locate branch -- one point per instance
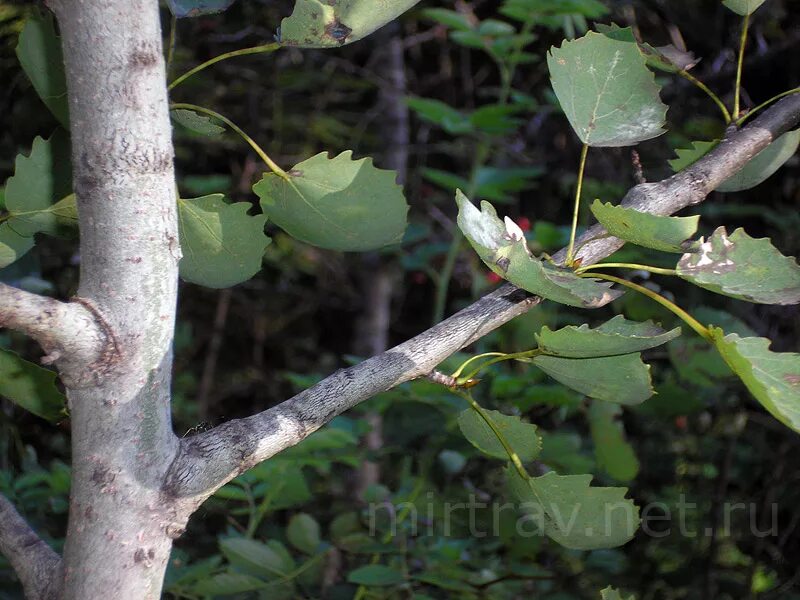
(35, 563)
(208, 460)
(69, 332)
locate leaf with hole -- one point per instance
(622, 379)
(667, 234)
(574, 514)
(606, 91)
(31, 387)
(336, 203)
(520, 436)
(772, 377)
(39, 53)
(197, 8)
(742, 267)
(303, 533)
(324, 24)
(376, 576)
(195, 122)
(507, 254)
(743, 7)
(617, 336)
(222, 245)
(612, 451)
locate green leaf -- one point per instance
(196, 8)
(614, 454)
(519, 435)
(12, 245)
(256, 558)
(450, 18)
(742, 267)
(228, 584)
(39, 53)
(39, 180)
(573, 513)
(665, 58)
(31, 387)
(606, 91)
(194, 121)
(623, 379)
(376, 575)
(336, 203)
(222, 245)
(437, 112)
(688, 156)
(763, 164)
(743, 7)
(323, 24)
(667, 234)
(303, 533)
(611, 593)
(617, 336)
(772, 377)
(506, 253)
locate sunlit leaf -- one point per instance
(614, 454)
(376, 575)
(743, 7)
(30, 386)
(194, 121)
(622, 379)
(612, 594)
(39, 53)
(508, 256)
(772, 377)
(323, 24)
(221, 244)
(573, 513)
(196, 8)
(12, 245)
(617, 336)
(666, 234)
(742, 267)
(38, 195)
(520, 436)
(303, 533)
(336, 203)
(606, 91)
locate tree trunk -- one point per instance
(122, 441)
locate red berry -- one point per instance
(524, 223)
(493, 277)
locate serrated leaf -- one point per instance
(376, 576)
(757, 170)
(743, 7)
(772, 377)
(510, 258)
(31, 387)
(256, 558)
(613, 453)
(336, 203)
(228, 584)
(194, 121)
(742, 267)
(12, 245)
(39, 180)
(617, 336)
(323, 24)
(622, 379)
(573, 513)
(222, 245)
(520, 436)
(666, 234)
(303, 533)
(196, 8)
(763, 164)
(606, 91)
(611, 593)
(39, 53)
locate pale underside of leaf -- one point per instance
(743, 7)
(323, 24)
(667, 234)
(742, 267)
(772, 377)
(614, 337)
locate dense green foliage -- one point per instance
(554, 410)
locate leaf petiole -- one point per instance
(699, 84)
(740, 63)
(243, 52)
(764, 104)
(636, 267)
(576, 210)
